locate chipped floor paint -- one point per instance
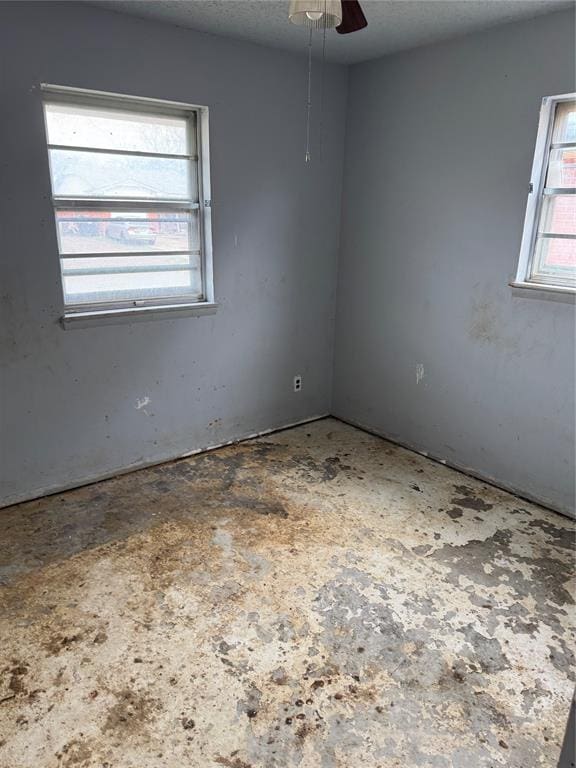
(317, 598)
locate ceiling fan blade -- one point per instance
(353, 18)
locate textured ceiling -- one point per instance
(393, 25)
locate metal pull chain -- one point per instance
(322, 91)
(309, 101)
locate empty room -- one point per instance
(287, 384)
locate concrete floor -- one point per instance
(318, 598)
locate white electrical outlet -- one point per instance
(297, 383)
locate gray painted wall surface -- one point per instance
(439, 148)
(69, 397)
(439, 151)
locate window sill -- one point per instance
(549, 292)
(136, 314)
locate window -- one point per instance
(131, 189)
(548, 251)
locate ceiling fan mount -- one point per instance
(346, 16)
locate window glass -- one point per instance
(81, 126)
(125, 231)
(125, 184)
(548, 255)
(85, 174)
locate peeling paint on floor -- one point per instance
(316, 598)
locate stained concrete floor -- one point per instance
(317, 598)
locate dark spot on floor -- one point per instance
(260, 506)
(232, 762)
(131, 712)
(161, 486)
(59, 643)
(16, 683)
(469, 500)
(421, 549)
(74, 753)
(304, 730)
(564, 538)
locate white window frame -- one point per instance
(525, 277)
(111, 311)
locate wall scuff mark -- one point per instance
(141, 404)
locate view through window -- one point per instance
(126, 185)
(549, 243)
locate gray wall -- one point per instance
(439, 151)
(69, 397)
(439, 148)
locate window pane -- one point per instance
(556, 256)
(127, 264)
(565, 122)
(562, 168)
(558, 215)
(80, 126)
(138, 240)
(86, 174)
(130, 286)
(113, 232)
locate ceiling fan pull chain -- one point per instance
(322, 90)
(309, 101)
